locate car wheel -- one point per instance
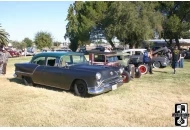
(143, 69)
(28, 81)
(126, 77)
(156, 64)
(137, 73)
(80, 88)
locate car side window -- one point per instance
(52, 61)
(119, 57)
(39, 61)
(137, 53)
(99, 58)
(64, 60)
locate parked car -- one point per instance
(99, 48)
(83, 50)
(61, 50)
(160, 59)
(30, 51)
(13, 53)
(108, 59)
(123, 59)
(69, 71)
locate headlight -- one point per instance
(121, 70)
(98, 76)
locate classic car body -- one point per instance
(13, 53)
(159, 59)
(111, 59)
(69, 71)
(123, 59)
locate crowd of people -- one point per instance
(175, 55)
(4, 55)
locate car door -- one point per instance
(37, 76)
(57, 75)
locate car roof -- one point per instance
(129, 50)
(56, 54)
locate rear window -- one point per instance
(112, 59)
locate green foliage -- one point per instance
(3, 36)
(28, 42)
(19, 45)
(56, 43)
(177, 19)
(130, 21)
(43, 39)
(82, 17)
(186, 35)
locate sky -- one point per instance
(24, 19)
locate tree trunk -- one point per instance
(177, 42)
(111, 43)
(132, 45)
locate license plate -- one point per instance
(114, 87)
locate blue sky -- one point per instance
(24, 19)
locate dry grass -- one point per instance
(148, 101)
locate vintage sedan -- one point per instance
(69, 71)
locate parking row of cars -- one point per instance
(102, 72)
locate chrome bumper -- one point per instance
(105, 87)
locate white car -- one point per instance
(159, 60)
(134, 51)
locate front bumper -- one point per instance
(105, 87)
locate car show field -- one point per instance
(145, 101)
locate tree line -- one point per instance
(41, 40)
(131, 22)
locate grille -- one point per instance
(111, 81)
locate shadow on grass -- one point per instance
(19, 81)
(160, 71)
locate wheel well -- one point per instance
(72, 84)
(158, 62)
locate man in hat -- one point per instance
(6, 55)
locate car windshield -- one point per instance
(73, 59)
(112, 59)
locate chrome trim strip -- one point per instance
(23, 72)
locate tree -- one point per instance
(19, 45)
(176, 20)
(82, 18)
(43, 39)
(28, 42)
(4, 37)
(71, 29)
(132, 22)
(56, 43)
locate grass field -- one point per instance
(148, 101)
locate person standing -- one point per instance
(175, 58)
(147, 59)
(1, 60)
(6, 56)
(181, 62)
